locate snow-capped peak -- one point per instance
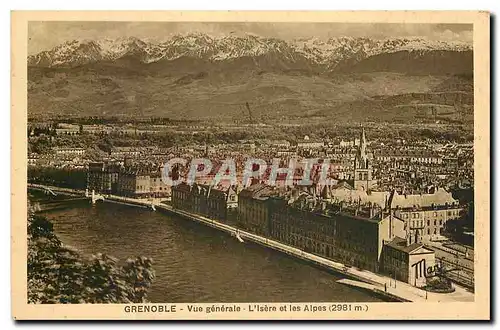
(234, 45)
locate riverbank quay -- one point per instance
(381, 285)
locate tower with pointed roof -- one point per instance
(363, 171)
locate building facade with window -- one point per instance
(158, 188)
(253, 208)
(134, 182)
(69, 151)
(425, 215)
(183, 199)
(411, 263)
(102, 177)
(353, 235)
(216, 202)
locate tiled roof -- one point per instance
(405, 153)
(346, 194)
(182, 186)
(440, 197)
(400, 244)
(257, 191)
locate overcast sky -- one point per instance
(46, 35)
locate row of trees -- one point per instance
(58, 274)
(43, 144)
(62, 177)
(97, 120)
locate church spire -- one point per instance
(362, 170)
(363, 159)
(363, 144)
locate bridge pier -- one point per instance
(49, 191)
(96, 197)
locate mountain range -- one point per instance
(329, 54)
(200, 76)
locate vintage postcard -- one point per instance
(250, 165)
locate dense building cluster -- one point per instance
(351, 222)
(384, 199)
(409, 165)
(127, 180)
(217, 202)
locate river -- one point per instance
(194, 263)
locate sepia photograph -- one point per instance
(248, 166)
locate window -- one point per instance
(435, 231)
(428, 222)
(440, 222)
(428, 231)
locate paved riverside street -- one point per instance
(399, 289)
(396, 288)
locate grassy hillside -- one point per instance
(437, 62)
(128, 90)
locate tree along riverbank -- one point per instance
(59, 274)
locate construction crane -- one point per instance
(249, 112)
